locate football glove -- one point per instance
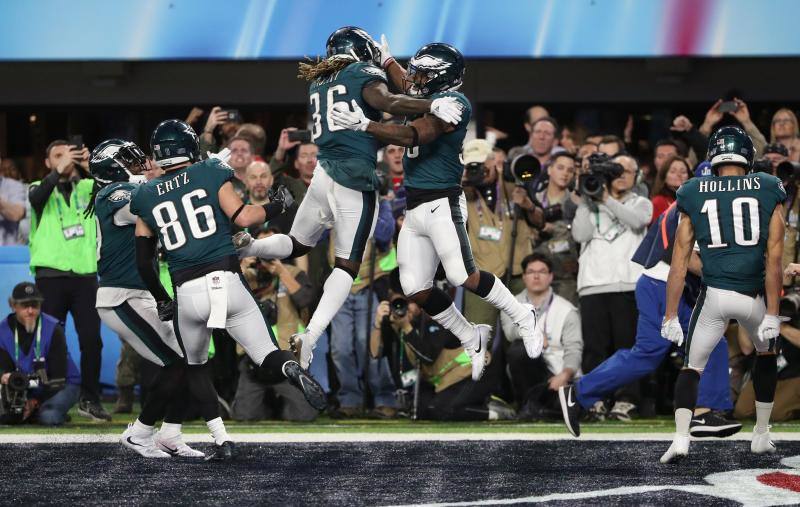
(671, 330)
(282, 196)
(350, 120)
(224, 155)
(384, 57)
(769, 329)
(447, 109)
(165, 309)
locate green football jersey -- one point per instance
(182, 207)
(730, 216)
(116, 250)
(437, 165)
(348, 156)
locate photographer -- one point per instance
(609, 224)
(38, 378)
(404, 335)
(543, 136)
(293, 162)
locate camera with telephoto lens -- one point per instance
(602, 171)
(14, 394)
(789, 305)
(788, 172)
(399, 307)
(525, 171)
(474, 173)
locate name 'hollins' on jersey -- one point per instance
(737, 185)
(169, 185)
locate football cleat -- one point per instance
(477, 351)
(678, 450)
(532, 335)
(570, 409)
(711, 424)
(302, 349)
(222, 452)
(241, 240)
(144, 446)
(622, 411)
(298, 377)
(175, 447)
(762, 443)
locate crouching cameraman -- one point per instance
(420, 350)
(38, 378)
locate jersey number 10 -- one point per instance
(170, 228)
(737, 210)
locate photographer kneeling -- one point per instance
(38, 378)
(403, 334)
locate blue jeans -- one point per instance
(349, 353)
(319, 365)
(54, 410)
(628, 365)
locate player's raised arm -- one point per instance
(396, 73)
(246, 215)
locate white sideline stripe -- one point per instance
(77, 438)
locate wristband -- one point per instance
(388, 62)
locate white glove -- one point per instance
(350, 120)
(224, 155)
(769, 329)
(385, 56)
(671, 330)
(448, 109)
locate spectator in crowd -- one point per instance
(220, 127)
(609, 229)
(683, 130)
(489, 225)
(784, 130)
(567, 140)
(555, 235)
(258, 180)
(740, 114)
(241, 157)
(536, 381)
(776, 153)
(293, 164)
(63, 259)
(393, 158)
(662, 151)
(542, 139)
(12, 208)
(32, 341)
(611, 145)
(405, 337)
(584, 151)
(671, 175)
(256, 135)
(284, 293)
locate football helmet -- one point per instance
(436, 67)
(174, 142)
(731, 145)
(116, 160)
(352, 42)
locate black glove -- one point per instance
(282, 196)
(166, 309)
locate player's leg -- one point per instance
(707, 324)
(248, 326)
(765, 376)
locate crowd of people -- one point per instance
(559, 245)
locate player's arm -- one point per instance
(420, 131)
(123, 216)
(773, 276)
(146, 261)
(246, 215)
(377, 95)
(681, 253)
(397, 75)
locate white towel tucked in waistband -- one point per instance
(217, 287)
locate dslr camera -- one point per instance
(14, 394)
(602, 171)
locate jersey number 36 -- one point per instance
(170, 224)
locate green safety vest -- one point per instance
(48, 246)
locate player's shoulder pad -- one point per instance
(218, 171)
(686, 192)
(774, 184)
(367, 70)
(119, 192)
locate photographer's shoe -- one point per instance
(570, 409)
(477, 351)
(313, 392)
(93, 410)
(302, 348)
(713, 424)
(222, 452)
(175, 446)
(141, 444)
(532, 336)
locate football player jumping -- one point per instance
(736, 217)
(434, 227)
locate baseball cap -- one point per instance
(25, 292)
(476, 151)
(776, 148)
(703, 169)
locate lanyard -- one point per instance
(545, 308)
(73, 201)
(37, 345)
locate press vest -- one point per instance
(24, 362)
(554, 326)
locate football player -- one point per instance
(189, 209)
(344, 189)
(434, 228)
(125, 305)
(736, 218)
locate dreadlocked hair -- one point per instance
(322, 67)
(96, 188)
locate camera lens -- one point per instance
(399, 307)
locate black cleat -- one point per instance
(222, 452)
(713, 424)
(93, 410)
(571, 409)
(315, 395)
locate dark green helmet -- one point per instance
(174, 142)
(353, 42)
(115, 160)
(731, 145)
(436, 67)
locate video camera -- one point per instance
(602, 171)
(14, 394)
(789, 305)
(789, 173)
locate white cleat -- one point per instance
(477, 352)
(762, 443)
(677, 451)
(303, 349)
(532, 335)
(145, 446)
(176, 447)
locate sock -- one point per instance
(277, 246)
(683, 417)
(217, 429)
(334, 293)
(170, 430)
(686, 389)
(763, 412)
(500, 297)
(271, 369)
(452, 320)
(141, 430)
(765, 377)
